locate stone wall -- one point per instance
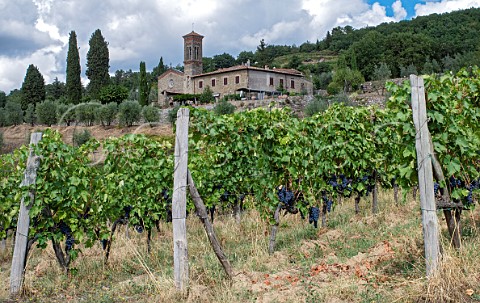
(220, 87)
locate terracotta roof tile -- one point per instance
(193, 34)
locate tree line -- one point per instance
(427, 44)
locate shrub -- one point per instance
(30, 116)
(85, 112)
(172, 114)
(150, 114)
(334, 88)
(233, 97)
(321, 81)
(206, 96)
(81, 138)
(13, 113)
(129, 112)
(65, 113)
(342, 98)
(317, 105)
(113, 93)
(107, 113)
(224, 108)
(46, 112)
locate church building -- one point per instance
(248, 81)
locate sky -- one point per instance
(37, 31)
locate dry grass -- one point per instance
(16, 136)
(364, 258)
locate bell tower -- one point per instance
(192, 54)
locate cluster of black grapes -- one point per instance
(436, 187)
(126, 214)
(369, 182)
(456, 183)
(313, 215)
(473, 186)
(167, 199)
(288, 199)
(225, 198)
(286, 196)
(70, 241)
(341, 184)
(126, 217)
(327, 202)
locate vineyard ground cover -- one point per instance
(357, 258)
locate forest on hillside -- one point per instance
(428, 44)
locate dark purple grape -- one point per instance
(313, 215)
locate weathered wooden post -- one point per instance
(425, 176)
(212, 237)
(375, 193)
(23, 223)
(179, 201)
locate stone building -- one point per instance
(248, 81)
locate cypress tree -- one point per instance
(97, 64)
(3, 99)
(143, 86)
(158, 70)
(55, 90)
(33, 87)
(74, 83)
(328, 39)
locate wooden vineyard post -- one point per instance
(273, 235)
(3, 245)
(425, 176)
(23, 223)
(212, 237)
(179, 201)
(375, 193)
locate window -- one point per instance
(213, 82)
(225, 81)
(200, 84)
(271, 81)
(281, 83)
(292, 84)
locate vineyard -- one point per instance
(339, 170)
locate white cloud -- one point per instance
(51, 30)
(14, 69)
(399, 12)
(444, 6)
(277, 32)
